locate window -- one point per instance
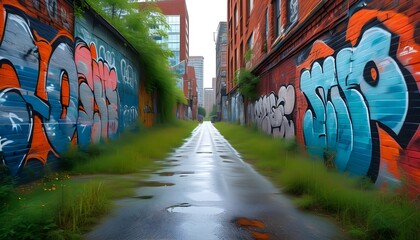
(236, 17)
(277, 14)
(250, 6)
(266, 26)
(250, 42)
(292, 11)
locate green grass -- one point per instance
(365, 212)
(63, 206)
(134, 151)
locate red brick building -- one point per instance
(338, 76)
(178, 8)
(190, 88)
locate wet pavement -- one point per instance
(205, 191)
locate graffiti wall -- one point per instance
(59, 86)
(107, 80)
(352, 94)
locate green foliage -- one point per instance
(6, 187)
(248, 55)
(247, 83)
(367, 213)
(134, 24)
(201, 111)
(56, 209)
(133, 151)
(213, 110)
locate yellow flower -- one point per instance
(53, 188)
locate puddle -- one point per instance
(168, 174)
(172, 160)
(154, 184)
(205, 196)
(189, 209)
(228, 161)
(167, 165)
(144, 197)
(227, 157)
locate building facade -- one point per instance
(209, 100)
(221, 68)
(177, 41)
(198, 62)
(341, 77)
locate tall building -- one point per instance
(177, 40)
(209, 98)
(197, 62)
(221, 67)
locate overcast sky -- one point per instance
(205, 16)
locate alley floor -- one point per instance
(206, 191)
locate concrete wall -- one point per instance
(343, 79)
(62, 82)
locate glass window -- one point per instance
(250, 6)
(250, 42)
(175, 28)
(266, 26)
(236, 17)
(292, 11)
(277, 9)
(173, 38)
(173, 19)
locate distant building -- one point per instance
(177, 40)
(197, 62)
(221, 66)
(209, 100)
(190, 87)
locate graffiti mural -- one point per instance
(237, 109)
(274, 113)
(108, 84)
(98, 106)
(57, 89)
(38, 88)
(361, 98)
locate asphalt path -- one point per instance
(206, 191)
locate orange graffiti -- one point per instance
(39, 149)
(408, 53)
(408, 49)
(9, 78)
(390, 152)
(319, 50)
